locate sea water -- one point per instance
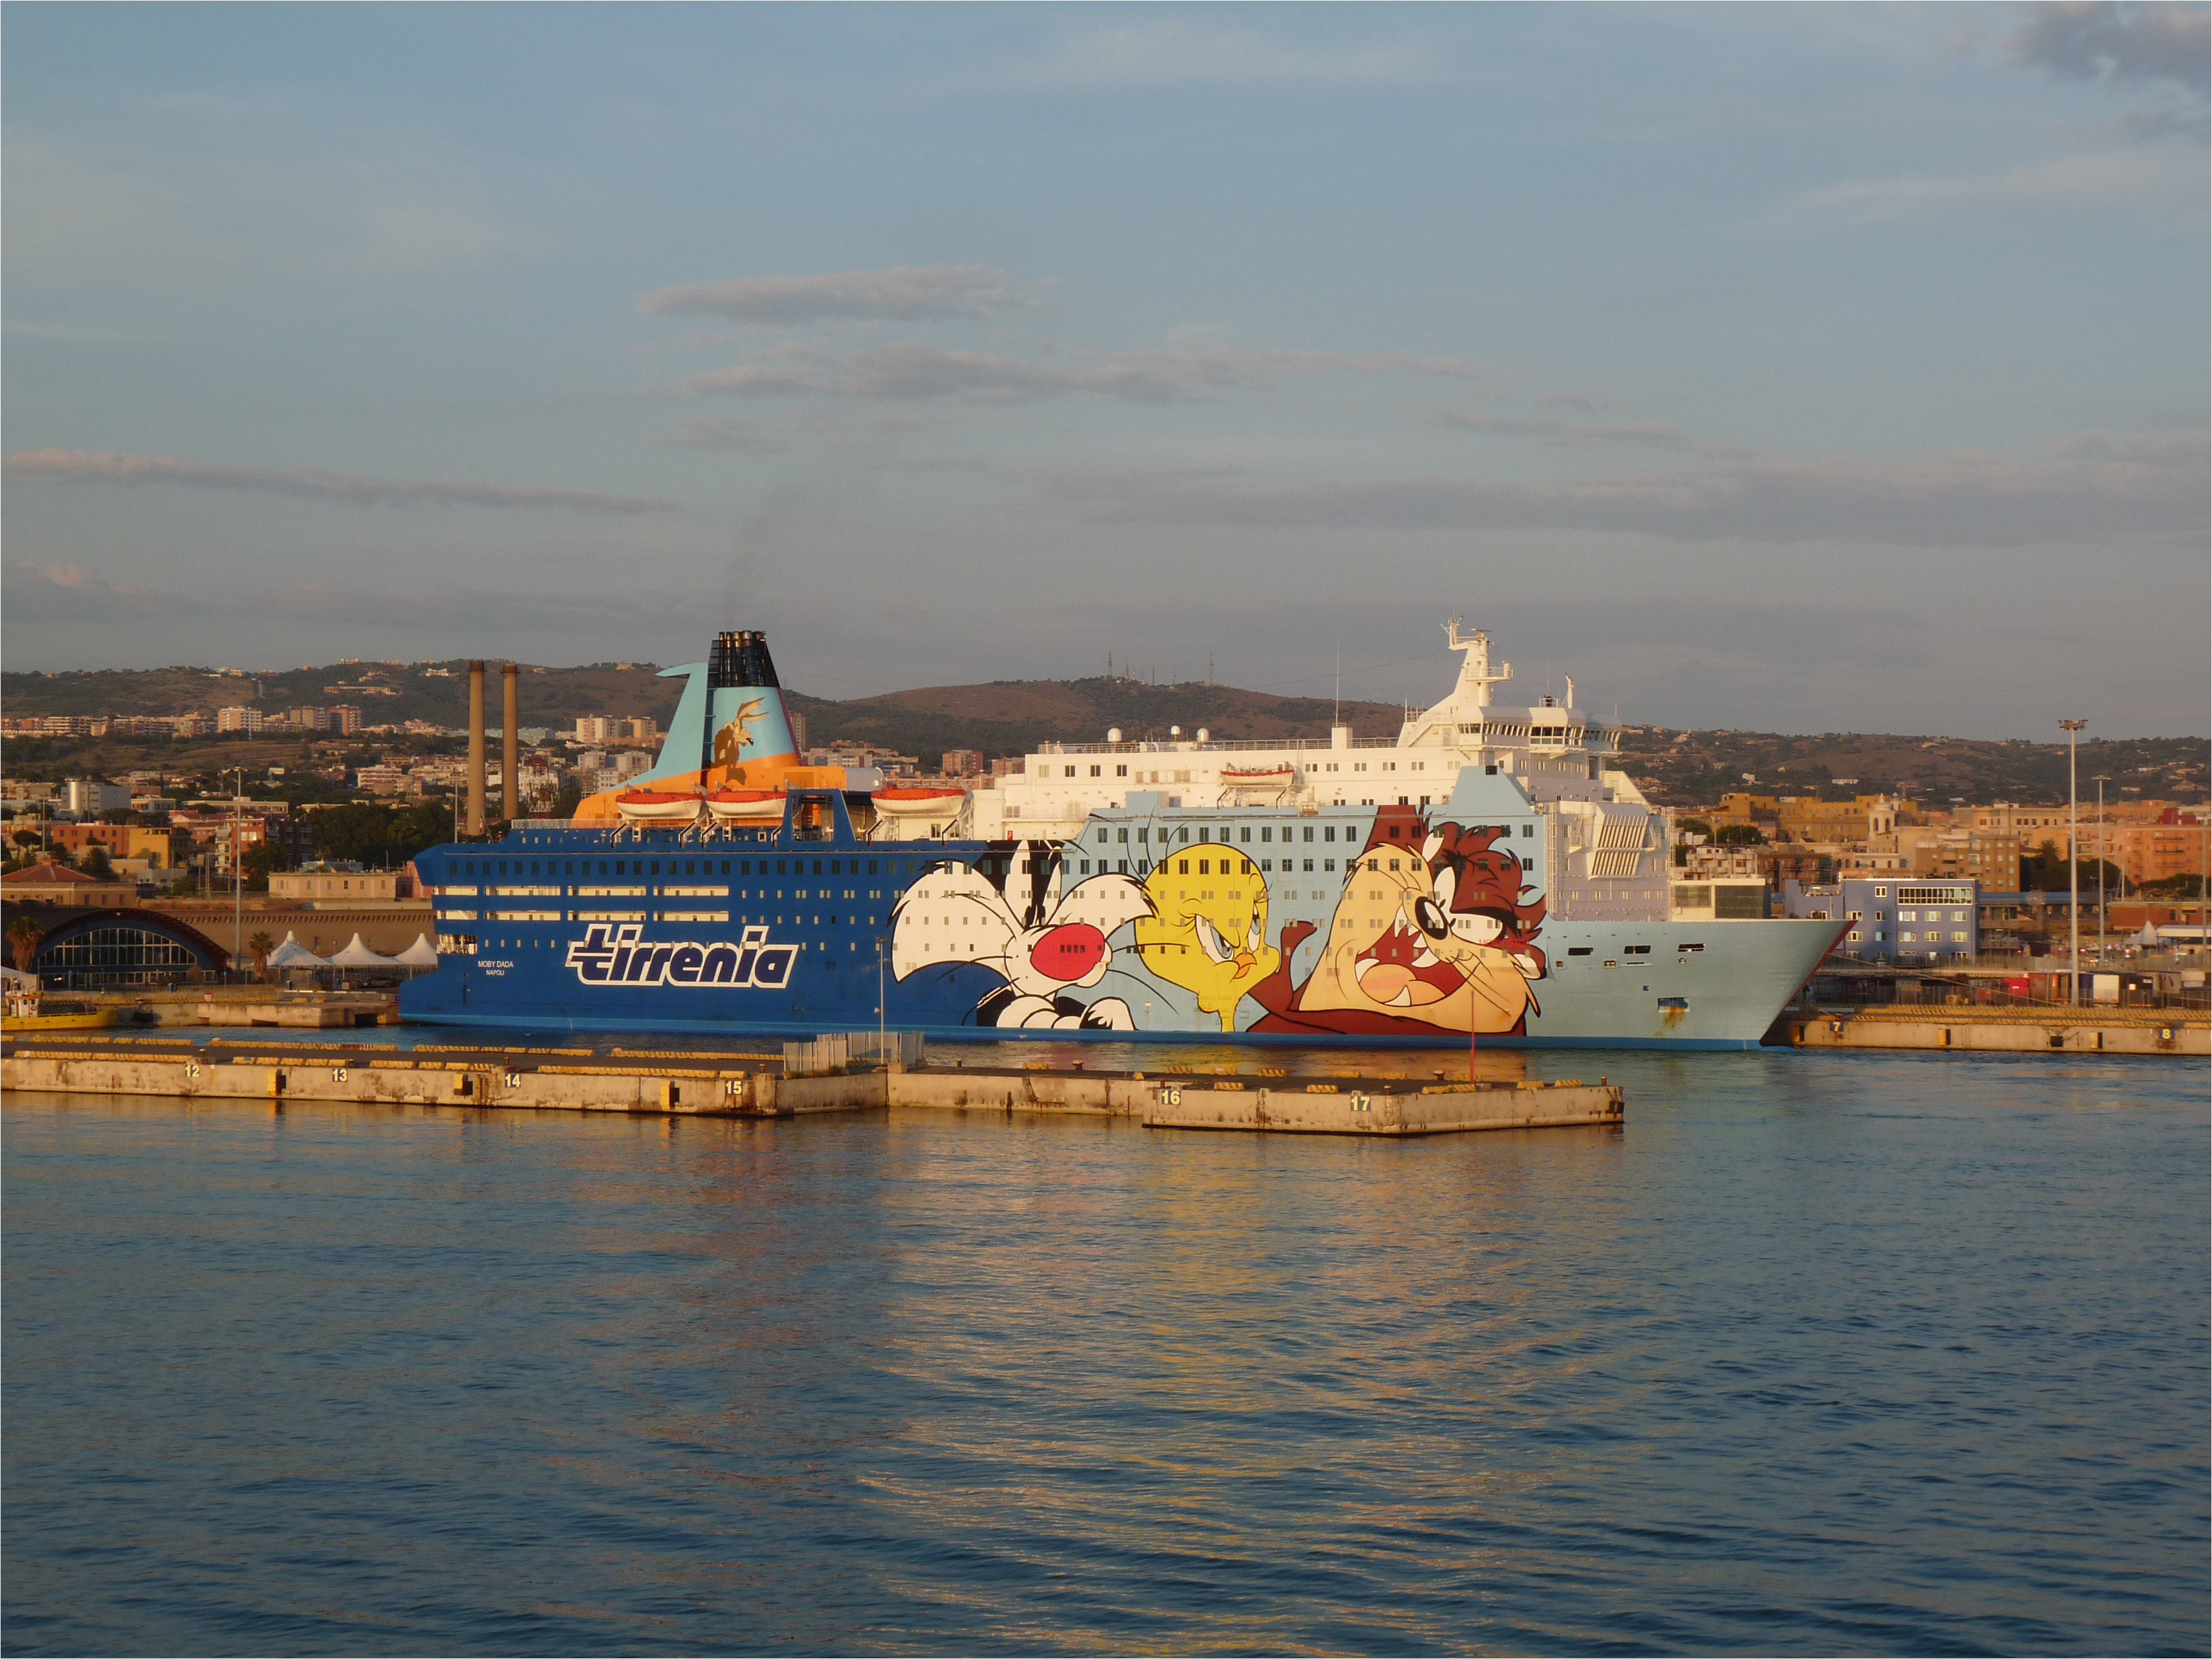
(1822, 1352)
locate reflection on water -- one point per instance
(1822, 1352)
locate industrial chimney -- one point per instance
(510, 774)
(476, 819)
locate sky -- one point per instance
(1780, 367)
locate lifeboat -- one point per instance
(746, 805)
(1247, 774)
(656, 806)
(918, 803)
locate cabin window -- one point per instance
(1121, 835)
(1086, 867)
(1308, 867)
(1328, 864)
(619, 866)
(1094, 771)
(817, 866)
(1182, 866)
(1121, 771)
(1394, 864)
(1142, 833)
(726, 867)
(1527, 831)
(1071, 771)
(1206, 866)
(656, 865)
(1327, 832)
(1308, 836)
(871, 866)
(502, 866)
(1265, 834)
(1245, 833)
(1183, 833)
(780, 867)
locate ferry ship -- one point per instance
(1484, 875)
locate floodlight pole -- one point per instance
(2073, 869)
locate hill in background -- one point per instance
(1675, 767)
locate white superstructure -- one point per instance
(1606, 843)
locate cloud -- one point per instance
(2100, 42)
(2098, 490)
(910, 371)
(904, 291)
(82, 466)
(1180, 52)
(1570, 435)
(2165, 181)
(69, 593)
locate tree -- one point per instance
(24, 939)
(1738, 834)
(28, 840)
(260, 944)
(2045, 872)
(260, 859)
(95, 863)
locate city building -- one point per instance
(89, 796)
(49, 883)
(159, 847)
(609, 730)
(1987, 857)
(964, 762)
(237, 719)
(386, 779)
(341, 883)
(1893, 920)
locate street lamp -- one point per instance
(2073, 869)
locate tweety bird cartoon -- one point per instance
(1208, 930)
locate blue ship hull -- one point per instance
(809, 928)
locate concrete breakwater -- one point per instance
(2000, 1030)
(753, 1086)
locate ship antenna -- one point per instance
(1337, 718)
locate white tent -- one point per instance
(2148, 939)
(420, 954)
(358, 954)
(292, 954)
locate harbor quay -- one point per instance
(762, 1084)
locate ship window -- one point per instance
(1094, 771)
(502, 866)
(1266, 864)
(1578, 949)
(871, 866)
(1375, 864)
(1328, 832)
(1527, 831)
(1123, 863)
(726, 867)
(1308, 835)
(1183, 833)
(1144, 866)
(1143, 834)
(1071, 771)
(1265, 834)
(1119, 835)
(817, 866)
(780, 869)
(1182, 866)
(1206, 866)
(1328, 864)
(1394, 864)
(1308, 867)
(1086, 867)
(656, 867)
(619, 866)
(1121, 771)
(1492, 772)
(1245, 833)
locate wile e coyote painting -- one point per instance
(1429, 938)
